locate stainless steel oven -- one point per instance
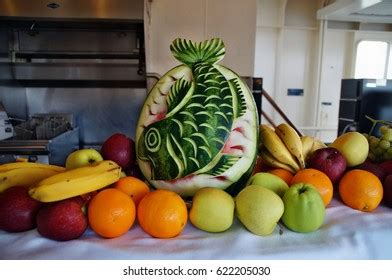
(86, 61)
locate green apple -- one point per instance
(259, 209)
(212, 210)
(353, 146)
(83, 157)
(269, 181)
(304, 209)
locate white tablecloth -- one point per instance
(346, 234)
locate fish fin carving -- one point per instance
(239, 98)
(177, 93)
(225, 162)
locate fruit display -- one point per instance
(196, 145)
(94, 195)
(198, 125)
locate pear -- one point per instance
(259, 209)
(212, 210)
(269, 181)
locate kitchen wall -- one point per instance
(287, 40)
(231, 20)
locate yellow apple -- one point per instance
(83, 157)
(212, 210)
(353, 146)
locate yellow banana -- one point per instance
(25, 176)
(23, 164)
(292, 141)
(97, 168)
(317, 144)
(307, 144)
(76, 181)
(276, 147)
(271, 161)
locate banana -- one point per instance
(292, 141)
(97, 168)
(307, 144)
(76, 182)
(317, 144)
(23, 164)
(24, 176)
(271, 161)
(276, 147)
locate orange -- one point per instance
(318, 179)
(162, 214)
(361, 190)
(111, 213)
(284, 174)
(133, 187)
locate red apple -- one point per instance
(374, 168)
(387, 166)
(387, 197)
(329, 161)
(120, 149)
(18, 210)
(62, 220)
(134, 171)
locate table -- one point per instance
(346, 234)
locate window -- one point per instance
(373, 60)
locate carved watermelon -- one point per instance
(198, 126)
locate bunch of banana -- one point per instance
(76, 181)
(284, 148)
(25, 173)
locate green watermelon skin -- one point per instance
(198, 128)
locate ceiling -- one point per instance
(372, 11)
(72, 9)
